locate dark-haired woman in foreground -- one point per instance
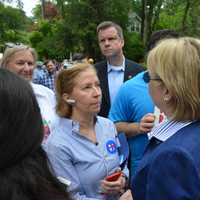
(24, 168)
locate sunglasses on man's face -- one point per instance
(147, 78)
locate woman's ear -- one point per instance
(65, 96)
(166, 95)
(68, 100)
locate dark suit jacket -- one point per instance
(131, 69)
(170, 170)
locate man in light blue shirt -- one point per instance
(131, 104)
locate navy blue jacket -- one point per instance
(170, 170)
(131, 69)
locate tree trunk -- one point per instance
(185, 15)
(60, 4)
(143, 18)
(157, 13)
(145, 22)
(148, 21)
(43, 8)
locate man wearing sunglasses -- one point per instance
(133, 107)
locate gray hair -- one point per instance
(10, 51)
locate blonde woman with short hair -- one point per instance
(170, 168)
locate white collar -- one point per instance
(116, 67)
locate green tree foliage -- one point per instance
(135, 49)
(18, 2)
(181, 15)
(76, 27)
(37, 12)
(72, 27)
(13, 25)
(52, 39)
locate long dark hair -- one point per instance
(25, 172)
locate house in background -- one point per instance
(134, 22)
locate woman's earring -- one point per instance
(70, 101)
(166, 98)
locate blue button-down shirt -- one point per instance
(77, 159)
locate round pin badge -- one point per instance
(111, 146)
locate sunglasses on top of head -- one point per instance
(147, 78)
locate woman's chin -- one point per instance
(28, 78)
(96, 111)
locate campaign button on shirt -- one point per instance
(111, 146)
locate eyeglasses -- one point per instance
(17, 45)
(147, 78)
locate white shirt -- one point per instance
(115, 79)
(47, 103)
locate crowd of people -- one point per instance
(86, 131)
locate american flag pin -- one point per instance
(129, 77)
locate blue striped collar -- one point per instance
(165, 130)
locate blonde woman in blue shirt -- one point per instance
(84, 147)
